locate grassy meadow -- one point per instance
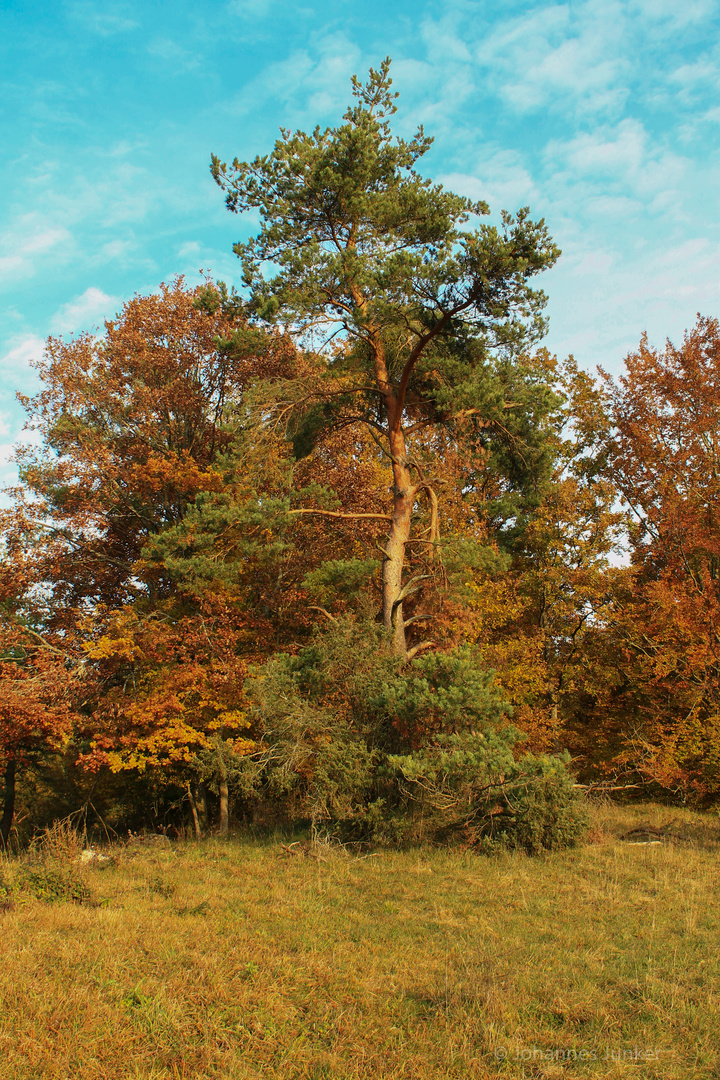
(254, 958)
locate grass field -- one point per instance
(238, 959)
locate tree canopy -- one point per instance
(342, 547)
(370, 253)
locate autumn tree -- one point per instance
(665, 460)
(36, 704)
(133, 423)
(165, 691)
(370, 254)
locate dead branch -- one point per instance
(341, 514)
(417, 649)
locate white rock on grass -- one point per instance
(88, 855)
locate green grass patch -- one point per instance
(240, 960)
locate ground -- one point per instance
(240, 959)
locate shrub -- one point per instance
(52, 881)
(470, 785)
(380, 749)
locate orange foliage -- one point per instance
(666, 462)
(37, 680)
(134, 424)
(164, 689)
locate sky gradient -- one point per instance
(602, 115)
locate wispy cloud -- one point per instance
(501, 178)
(623, 157)
(178, 59)
(85, 312)
(251, 9)
(28, 242)
(17, 359)
(103, 19)
(669, 15)
(309, 83)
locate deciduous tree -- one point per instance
(665, 461)
(36, 703)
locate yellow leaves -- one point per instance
(106, 647)
(241, 747)
(497, 602)
(118, 642)
(233, 718)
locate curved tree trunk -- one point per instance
(404, 493)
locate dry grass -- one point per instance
(238, 960)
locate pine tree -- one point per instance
(369, 253)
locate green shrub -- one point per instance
(374, 748)
(53, 881)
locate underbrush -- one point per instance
(273, 957)
(50, 870)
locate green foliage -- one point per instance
(469, 785)
(375, 748)
(321, 738)
(445, 692)
(464, 558)
(543, 809)
(339, 578)
(52, 882)
(344, 214)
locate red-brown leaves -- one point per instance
(133, 427)
(37, 680)
(666, 462)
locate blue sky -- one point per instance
(602, 115)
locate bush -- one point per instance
(52, 881)
(50, 871)
(380, 749)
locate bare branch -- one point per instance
(418, 648)
(340, 514)
(323, 611)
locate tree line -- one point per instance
(345, 548)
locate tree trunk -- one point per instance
(223, 791)
(202, 806)
(193, 807)
(9, 803)
(404, 493)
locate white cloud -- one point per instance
(308, 84)
(501, 179)
(85, 312)
(613, 208)
(27, 243)
(250, 9)
(180, 59)
(621, 161)
(16, 362)
(598, 312)
(672, 14)
(8, 466)
(190, 250)
(561, 55)
(444, 38)
(594, 264)
(101, 19)
(703, 70)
